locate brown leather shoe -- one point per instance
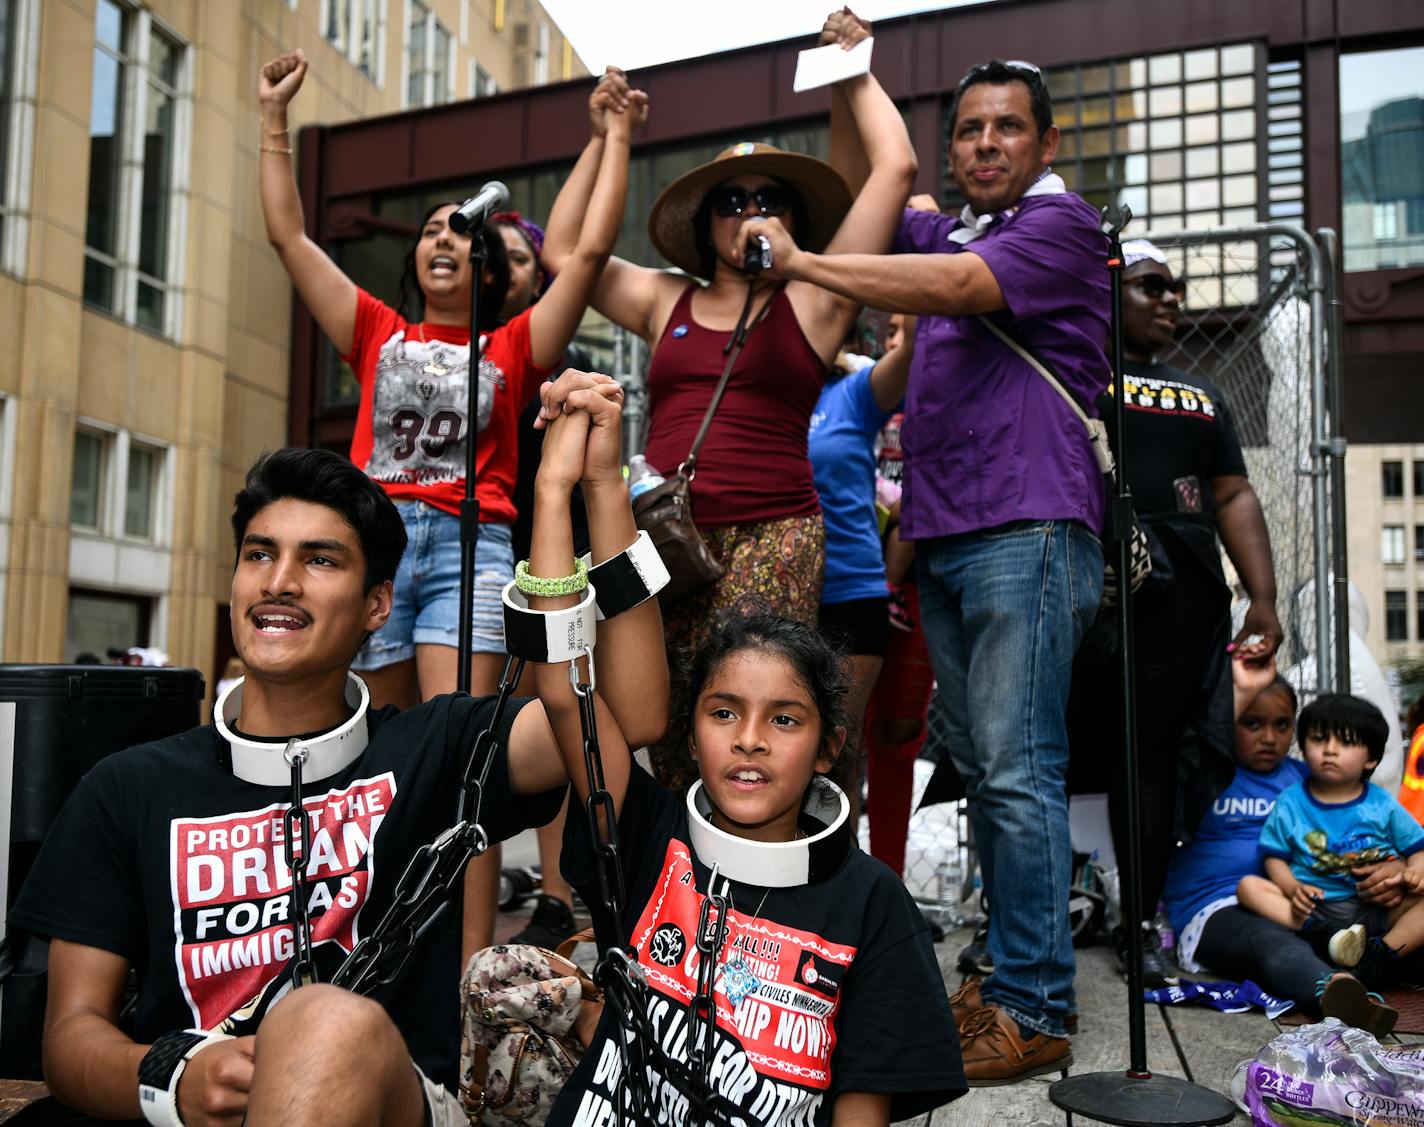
(995, 1053)
(967, 999)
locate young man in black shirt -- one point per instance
(172, 857)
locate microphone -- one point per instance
(757, 256)
(479, 207)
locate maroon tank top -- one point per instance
(753, 465)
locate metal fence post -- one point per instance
(1329, 243)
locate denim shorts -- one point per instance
(425, 608)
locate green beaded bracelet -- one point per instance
(540, 587)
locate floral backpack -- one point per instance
(528, 1017)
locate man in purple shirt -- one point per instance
(1005, 500)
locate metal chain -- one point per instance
(432, 878)
(297, 827)
(702, 1007)
(626, 993)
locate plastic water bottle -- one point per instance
(1164, 929)
(949, 887)
(641, 477)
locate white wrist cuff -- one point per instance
(548, 635)
(630, 578)
(161, 1069)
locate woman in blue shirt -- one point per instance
(855, 606)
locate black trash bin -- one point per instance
(65, 718)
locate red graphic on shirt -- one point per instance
(232, 891)
(786, 1024)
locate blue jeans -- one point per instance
(425, 605)
(1003, 611)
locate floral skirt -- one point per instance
(774, 567)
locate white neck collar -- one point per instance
(264, 762)
(775, 864)
(972, 224)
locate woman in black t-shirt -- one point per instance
(1189, 486)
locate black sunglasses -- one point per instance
(1021, 66)
(771, 199)
(1154, 286)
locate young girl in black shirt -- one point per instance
(830, 1005)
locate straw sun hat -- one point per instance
(823, 192)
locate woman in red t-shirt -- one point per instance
(414, 374)
(753, 496)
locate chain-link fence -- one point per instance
(1255, 322)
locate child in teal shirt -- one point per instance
(1329, 824)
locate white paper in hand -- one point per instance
(820, 66)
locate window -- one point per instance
(1386, 221)
(1419, 480)
(441, 75)
(541, 56)
(1176, 137)
(120, 540)
(119, 485)
(1419, 543)
(1382, 158)
(1391, 480)
(1392, 544)
(482, 83)
(144, 463)
(357, 28)
(1396, 616)
(428, 49)
(10, 108)
(134, 208)
(415, 44)
(86, 490)
(1419, 615)
(100, 621)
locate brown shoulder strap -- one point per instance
(565, 949)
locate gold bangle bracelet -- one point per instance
(274, 149)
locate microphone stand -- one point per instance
(469, 504)
(1135, 1097)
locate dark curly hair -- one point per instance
(1350, 719)
(325, 478)
(819, 665)
(411, 302)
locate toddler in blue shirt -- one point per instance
(1329, 824)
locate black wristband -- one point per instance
(548, 635)
(161, 1069)
(630, 578)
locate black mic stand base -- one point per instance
(1148, 1101)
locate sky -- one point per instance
(642, 33)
